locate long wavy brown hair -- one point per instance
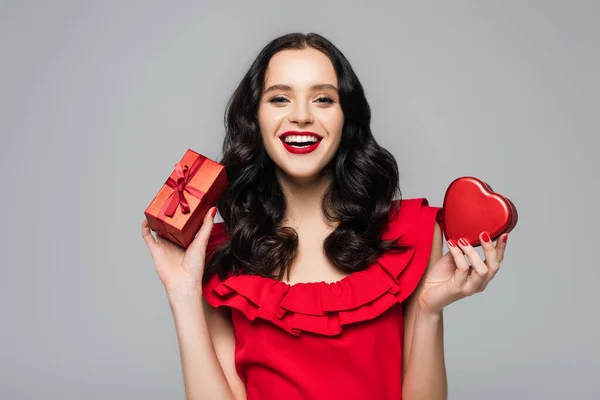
(359, 199)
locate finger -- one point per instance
(501, 246)
(149, 239)
(481, 270)
(491, 259)
(201, 240)
(147, 233)
(491, 255)
(462, 266)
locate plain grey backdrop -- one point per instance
(99, 99)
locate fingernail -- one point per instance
(213, 212)
(505, 238)
(450, 243)
(485, 237)
(463, 241)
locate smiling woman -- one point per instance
(309, 218)
(283, 194)
(321, 282)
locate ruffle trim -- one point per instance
(325, 308)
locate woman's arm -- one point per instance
(424, 369)
(206, 346)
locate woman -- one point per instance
(319, 284)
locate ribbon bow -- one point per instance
(183, 176)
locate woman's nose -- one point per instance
(300, 114)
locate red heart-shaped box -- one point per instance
(471, 207)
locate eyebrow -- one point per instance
(319, 86)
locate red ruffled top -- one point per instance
(317, 340)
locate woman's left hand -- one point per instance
(451, 278)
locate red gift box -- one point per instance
(195, 185)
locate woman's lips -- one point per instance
(295, 136)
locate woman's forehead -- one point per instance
(300, 68)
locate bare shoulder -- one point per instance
(434, 256)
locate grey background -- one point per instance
(98, 100)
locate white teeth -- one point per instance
(300, 139)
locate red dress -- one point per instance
(317, 340)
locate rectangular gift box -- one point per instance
(194, 186)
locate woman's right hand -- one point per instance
(180, 270)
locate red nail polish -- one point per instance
(214, 212)
(485, 237)
(451, 243)
(463, 241)
(505, 238)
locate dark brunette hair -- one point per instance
(360, 197)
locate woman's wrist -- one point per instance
(430, 315)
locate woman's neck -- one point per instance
(304, 198)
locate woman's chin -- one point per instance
(302, 176)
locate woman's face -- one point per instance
(299, 113)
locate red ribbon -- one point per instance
(183, 176)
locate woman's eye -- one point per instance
(324, 100)
(278, 99)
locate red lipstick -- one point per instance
(304, 149)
